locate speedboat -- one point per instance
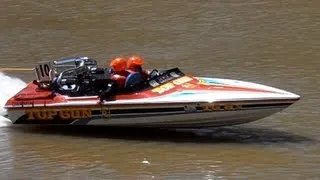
(67, 92)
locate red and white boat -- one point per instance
(67, 91)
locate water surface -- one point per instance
(270, 42)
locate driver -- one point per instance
(118, 75)
(134, 64)
(118, 65)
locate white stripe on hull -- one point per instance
(222, 118)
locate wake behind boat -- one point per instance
(68, 91)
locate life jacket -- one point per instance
(120, 78)
(144, 74)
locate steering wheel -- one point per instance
(154, 73)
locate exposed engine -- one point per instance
(77, 76)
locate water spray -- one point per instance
(9, 86)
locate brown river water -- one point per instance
(271, 42)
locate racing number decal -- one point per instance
(220, 107)
(43, 71)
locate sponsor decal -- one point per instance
(64, 114)
(188, 85)
(209, 82)
(22, 103)
(168, 86)
(182, 80)
(105, 113)
(154, 83)
(163, 88)
(220, 107)
(203, 82)
(174, 74)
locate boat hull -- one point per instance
(185, 102)
(183, 115)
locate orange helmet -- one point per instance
(133, 62)
(118, 64)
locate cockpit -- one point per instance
(80, 76)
